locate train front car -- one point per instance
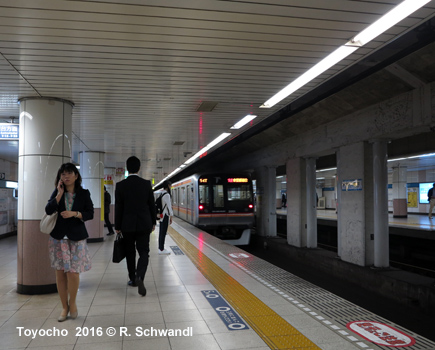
(226, 206)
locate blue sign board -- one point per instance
(351, 185)
(225, 311)
(9, 131)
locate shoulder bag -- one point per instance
(48, 222)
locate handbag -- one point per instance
(118, 249)
(48, 222)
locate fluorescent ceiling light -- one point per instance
(11, 184)
(326, 169)
(390, 19)
(411, 157)
(341, 53)
(206, 148)
(243, 121)
(394, 16)
(175, 171)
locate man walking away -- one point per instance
(107, 202)
(135, 217)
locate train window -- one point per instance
(204, 195)
(218, 196)
(174, 196)
(183, 195)
(239, 193)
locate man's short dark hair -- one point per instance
(133, 165)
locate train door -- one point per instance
(218, 193)
(175, 202)
(188, 205)
(218, 198)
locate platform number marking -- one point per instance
(227, 314)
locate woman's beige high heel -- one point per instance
(62, 318)
(74, 315)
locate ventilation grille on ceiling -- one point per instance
(178, 143)
(206, 106)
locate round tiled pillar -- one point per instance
(92, 171)
(45, 144)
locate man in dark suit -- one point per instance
(107, 202)
(135, 217)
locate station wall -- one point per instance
(8, 203)
(326, 188)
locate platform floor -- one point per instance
(267, 307)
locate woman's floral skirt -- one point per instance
(69, 256)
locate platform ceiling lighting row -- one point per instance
(387, 21)
(412, 157)
(392, 160)
(242, 122)
(198, 154)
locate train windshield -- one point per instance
(239, 192)
(219, 193)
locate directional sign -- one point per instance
(9, 131)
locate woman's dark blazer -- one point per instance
(73, 228)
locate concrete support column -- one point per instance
(266, 201)
(92, 171)
(109, 182)
(400, 198)
(44, 145)
(296, 202)
(355, 208)
(380, 177)
(311, 207)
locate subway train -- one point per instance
(222, 204)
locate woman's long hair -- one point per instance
(167, 186)
(69, 167)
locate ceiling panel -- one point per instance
(137, 70)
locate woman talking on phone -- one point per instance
(67, 245)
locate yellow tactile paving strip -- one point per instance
(276, 332)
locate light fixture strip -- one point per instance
(338, 55)
(412, 157)
(243, 121)
(393, 17)
(390, 19)
(318, 171)
(206, 148)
